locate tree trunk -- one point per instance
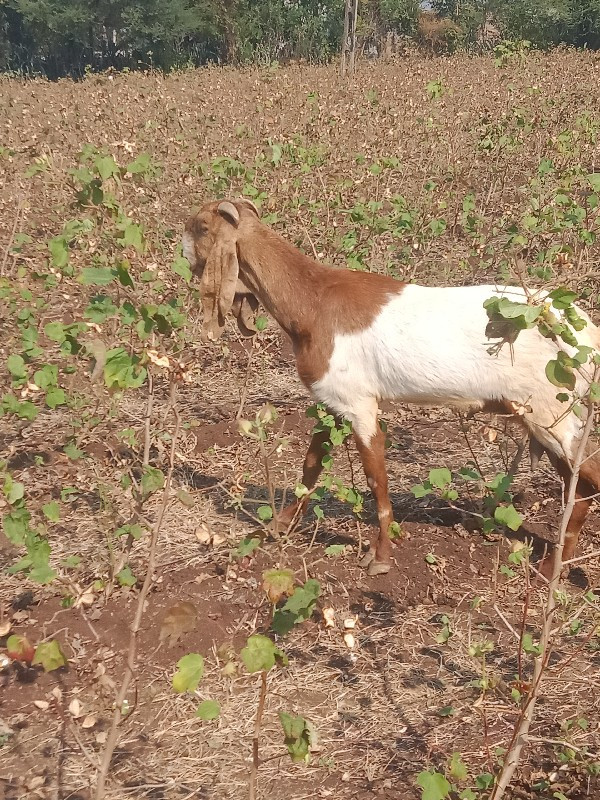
(349, 41)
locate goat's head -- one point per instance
(210, 245)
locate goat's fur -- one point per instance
(360, 338)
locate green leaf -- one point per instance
(594, 180)
(181, 266)
(51, 511)
(277, 583)
(55, 396)
(46, 377)
(421, 490)
(72, 451)
(434, 786)
(247, 546)
(106, 167)
(122, 272)
(152, 480)
(457, 767)
(16, 525)
(126, 577)
(509, 516)
(185, 498)
(142, 164)
(440, 477)
(560, 374)
(303, 601)
(121, 371)
(265, 513)
(335, 549)
(208, 709)
(562, 297)
(59, 252)
(190, 670)
(50, 656)
(133, 236)
(297, 733)
(260, 323)
(485, 780)
(529, 645)
(261, 653)
(135, 531)
(16, 366)
(13, 490)
(96, 276)
(55, 331)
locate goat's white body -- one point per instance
(428, 346)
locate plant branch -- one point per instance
(130, 666)
(255, 740)
(521, 732)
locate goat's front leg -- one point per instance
(371, 448)
(310, 474)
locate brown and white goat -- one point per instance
(361, 337)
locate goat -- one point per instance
(359, 338)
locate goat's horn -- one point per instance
(227, 209)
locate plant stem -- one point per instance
(255, 759)
(130, 665)
(520, 734)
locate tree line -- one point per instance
(67, 37)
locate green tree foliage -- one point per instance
(544, 23)
(68, 37)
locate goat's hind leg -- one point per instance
(310, 474)
(588, 485)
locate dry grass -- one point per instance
(377, 708)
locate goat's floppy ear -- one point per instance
(219, 281)
(249, 204)
(244, 308)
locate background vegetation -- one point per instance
(66, 37)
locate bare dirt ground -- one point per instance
(408, 694)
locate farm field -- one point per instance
(119, 425)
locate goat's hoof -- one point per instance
(378, 568)
(367, 559)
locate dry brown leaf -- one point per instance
(158, 360)
(203, 534)
(179, 619)
(75, 708)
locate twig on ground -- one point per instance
(11, 239)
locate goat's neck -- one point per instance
(282, 278)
